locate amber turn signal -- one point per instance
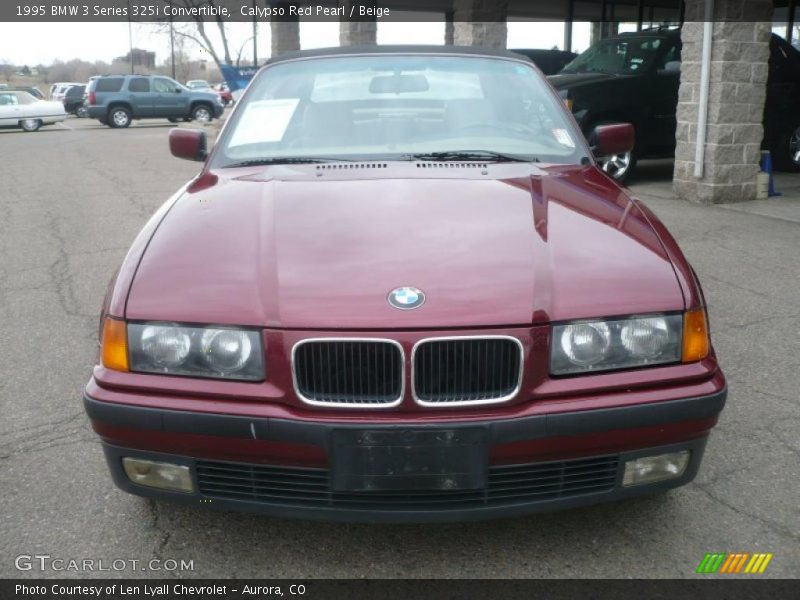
(114, 348)
(695, 336)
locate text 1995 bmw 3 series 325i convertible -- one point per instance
(401, 290)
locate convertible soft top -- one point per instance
(397, 49)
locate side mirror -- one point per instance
(178, 90)
(616, 138)
(190, 144)
(673, 67)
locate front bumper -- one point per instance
(574, 478)
(97, 112)
(301, 493)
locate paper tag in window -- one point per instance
(563, 138)
(264, 121)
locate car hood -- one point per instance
(321, 248)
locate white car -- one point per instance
(20, 109)
(57, 90)
(198, 84)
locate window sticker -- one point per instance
(264, 121)
(563, 138)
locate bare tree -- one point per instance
(195, 30)
(7, 70)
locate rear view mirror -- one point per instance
(190, 144)
(398, 84)
(616, 138)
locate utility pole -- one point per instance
(172, 43)
(130, 37)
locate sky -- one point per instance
(42, 43)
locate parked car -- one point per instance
(32, 90)
(549, 62)
(401, 289)
(20, 109)
(782, 106)
(635, 77)
(57, 90)
(224, 94)
(74, 99)
(632, 78)
(198, 84)
(115, 100)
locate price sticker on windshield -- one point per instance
(264, 121)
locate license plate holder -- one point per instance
(402, 459)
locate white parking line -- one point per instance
(64, 126)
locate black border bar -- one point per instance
(732, 588)
(596, 11)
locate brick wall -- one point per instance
(738, 74)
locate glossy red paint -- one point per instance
(188, 143)
(615, 138)
(287, 248)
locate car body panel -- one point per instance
(290, 249)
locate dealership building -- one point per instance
(723, 73)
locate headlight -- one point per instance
(586, 346)
(224, 353)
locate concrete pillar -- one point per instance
(285, 33)
(359, 30)
(738, 76)
(480, 23)
(601, 30)
(449, 28)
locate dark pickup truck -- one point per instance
(634, 78)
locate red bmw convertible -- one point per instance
(400, 289)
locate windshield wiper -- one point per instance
(286, 160)
(484, 155)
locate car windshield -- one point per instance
(399, 107)
(621, 56)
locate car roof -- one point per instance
(396, 49)
(654, 32)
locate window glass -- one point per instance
(164, 85)
(394, 106)
(8, 99)
(25, 98)
(139, 84)
(109, 84)
(618, 56)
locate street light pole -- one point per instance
(130, 37)
(172, 43)
(255, 36)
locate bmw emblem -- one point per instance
(406, 298)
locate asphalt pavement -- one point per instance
(72, 198)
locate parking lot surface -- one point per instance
(72, 198)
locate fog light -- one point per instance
(165, 476)
(649, 469)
